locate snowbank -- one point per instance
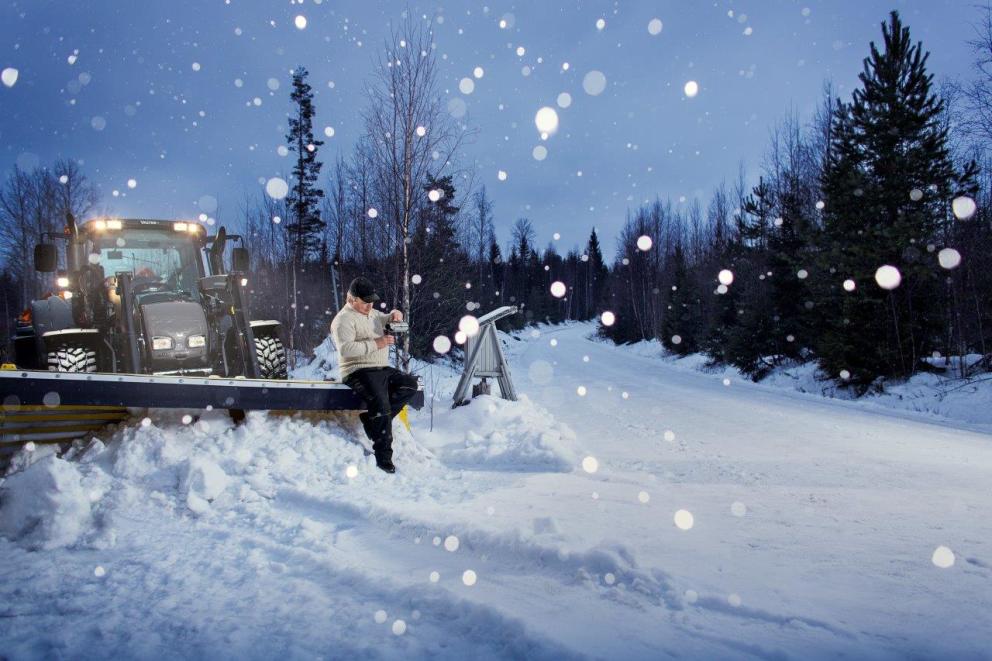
(491, 433)
(962, 400)
(196, 468)
(967, 401)
(44, 506)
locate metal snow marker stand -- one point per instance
(484, 358)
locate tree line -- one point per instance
(857, 248)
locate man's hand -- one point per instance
(395, 315)
(384, 341)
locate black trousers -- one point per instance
(385, 391)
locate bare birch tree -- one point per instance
(410, 136)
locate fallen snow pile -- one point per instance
(207, 467)
(197, 469)
(45, 506)
(491, 433)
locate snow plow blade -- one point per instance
(19, 388)
(58, 407)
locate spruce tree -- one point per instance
(596, 278)
(790, 251)
(495, 265)
(721, 315)
(439, 295)
(304, 195)
(681, 325)
(753, 336)
(774, 303)
(886, 184)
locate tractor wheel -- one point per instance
(72, 358)
(271, 358)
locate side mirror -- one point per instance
(240, 260)
(45, 257)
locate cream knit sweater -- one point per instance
(354, 335)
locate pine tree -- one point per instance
(596, 277)
(790, 252)
(304, 196)
(752, 338)
(438, 297)
(681, 325)
(753, 219)
(773, 299)
(495, 266)
(886, 184)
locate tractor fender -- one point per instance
(88, 337)
(266, 327)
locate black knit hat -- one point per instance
(362, 288)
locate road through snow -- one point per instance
(842, 507)
(814, 523)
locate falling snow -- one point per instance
(291, 511)
(594, 83)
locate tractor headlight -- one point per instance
(62, 282)
(195, 341)
(66, 294)
(114, 225)
(161, 343)
(180, 227)
(100, 224)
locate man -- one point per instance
(363, 352)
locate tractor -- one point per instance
(142, 296)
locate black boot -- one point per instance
(385, 463)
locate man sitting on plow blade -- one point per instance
(363, 344)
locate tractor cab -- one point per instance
(165, 263)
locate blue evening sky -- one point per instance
(189, 98)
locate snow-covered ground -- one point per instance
(935, 396)
(812, 527)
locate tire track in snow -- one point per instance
(517, 592)
(511, 548)
(521, 565)
(480, 627)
